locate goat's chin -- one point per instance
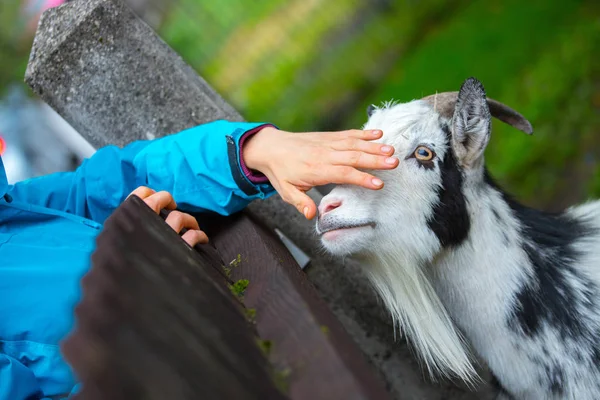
(348, 241)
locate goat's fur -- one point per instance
(460, 265)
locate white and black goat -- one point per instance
(461, 265)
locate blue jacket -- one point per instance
(48, 227)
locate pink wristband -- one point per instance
(253, 176)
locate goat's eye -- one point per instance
(422, 153)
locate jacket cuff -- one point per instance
(253, 176)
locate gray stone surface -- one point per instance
(109, 75)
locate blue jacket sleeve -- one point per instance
(16, 380)
(200, 166)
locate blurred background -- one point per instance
(317, 65)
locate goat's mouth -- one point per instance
(327, 227)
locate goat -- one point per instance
(462, 267)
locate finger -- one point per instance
(292, 195)
(344, 175)
(363, 146)
(303, 203)
(161, 200)
(142, 192)
(178, 220)
(358, 159)
(194, 237)
(279, 190)
(369, 134)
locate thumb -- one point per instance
(303, 203)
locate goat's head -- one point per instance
(440, 142)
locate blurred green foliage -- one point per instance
(317, 64)
(14, 49)
(310, 64)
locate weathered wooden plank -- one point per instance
(308, 342)
(158, 322)
(157, 319)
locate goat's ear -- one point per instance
(471, 123)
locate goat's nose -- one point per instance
(328, 206)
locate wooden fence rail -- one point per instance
(157, 320)
(160, 320)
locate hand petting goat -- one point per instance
(296, 162)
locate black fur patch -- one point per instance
(547, 240)
(450, 220)
(495, 383)
(428, 165)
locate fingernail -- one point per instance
(376, 132)
(306, 212)
(390, 160)
(386, 149)
(377, 182)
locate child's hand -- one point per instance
(296, 162)
(176, 219)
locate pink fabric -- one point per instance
(253, 176)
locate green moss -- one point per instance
(227, 271)
(236, 262)
(251, 315)
(239, 287)
(265, 346)
(281, 378)
(325, 330)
